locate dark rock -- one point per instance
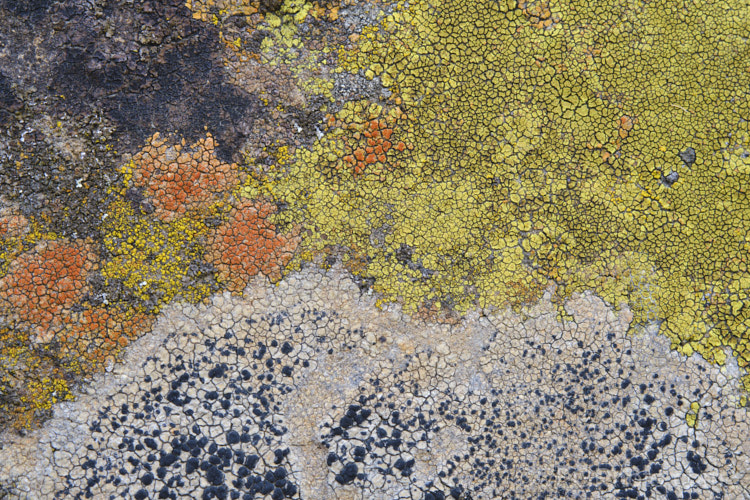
(688, 156)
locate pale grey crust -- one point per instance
(510, 406)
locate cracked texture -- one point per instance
(584, 144)
(307, 390)
(338, 249)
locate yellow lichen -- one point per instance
(215, 10)
(692, 415)
(47, 391)
(150, 257)
(547, 148)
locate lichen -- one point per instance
(549, 148)
(248, 244)
(44, 282)
(181, 180)
(214, 11)
(37, 295)
(691, 417)
(151, 257)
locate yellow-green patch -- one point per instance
(608, 151)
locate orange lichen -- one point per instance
(13, 228)
(96, 334)
(248, 244)
(330, 12)
(538, 13)
(45, 281)
(50, 333)
(180, 180)
(610, 146)
(368, 143)
(625, 125)
(12, 225)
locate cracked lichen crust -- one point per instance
(597, 145)
(305, 389)
(584, 163)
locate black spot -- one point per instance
(279, 474)
(215, 476)
(191, 465)
(175, 398)
(216, 371)
(167, 459)
(290, 489)
(265, 487)
(639, 462)
(347, 474)
(362, 415)
(251, 461)
(696, 462)
(233, 437)
(346, 422)
(359, 453)
(665, 441)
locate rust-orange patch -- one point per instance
(44, 282)
(248, 244)
(181, 179)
